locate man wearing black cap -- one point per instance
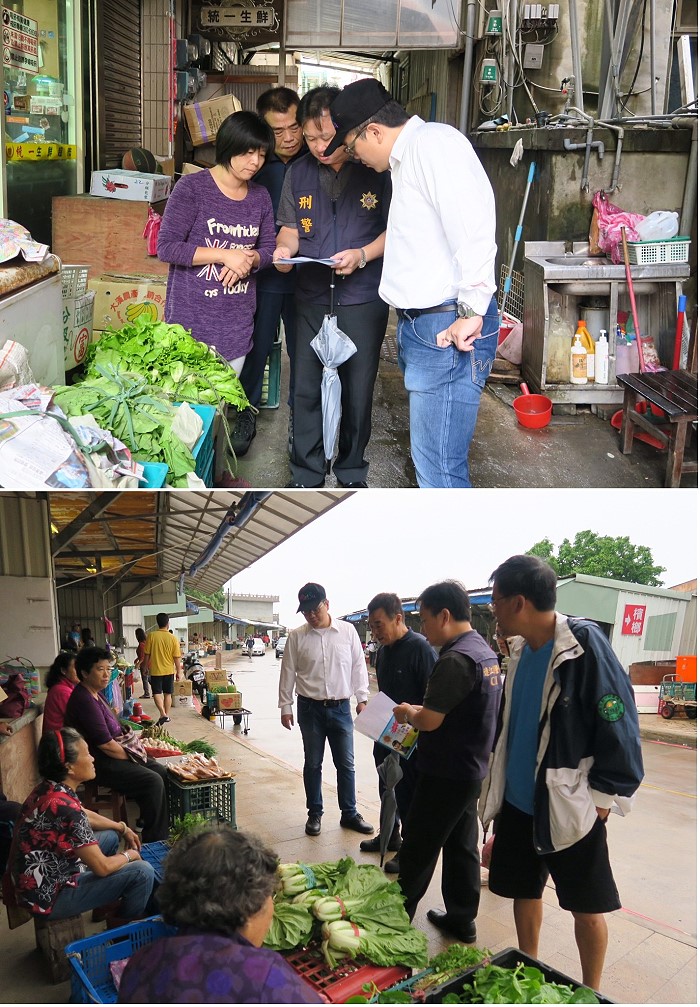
(438, 270)
(323, 662)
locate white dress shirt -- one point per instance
(440, 237)
(323, 664)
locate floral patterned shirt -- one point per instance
(52, 826)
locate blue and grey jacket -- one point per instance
(589, 752)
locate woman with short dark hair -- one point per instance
(120, 761)
(217, 231)
(217, 890)
(59, 867)
(61, 679)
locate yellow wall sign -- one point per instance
(40, 151)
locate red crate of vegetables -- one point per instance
(336, 985)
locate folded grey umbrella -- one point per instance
(390, 772)
(333, 348)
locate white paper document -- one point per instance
(377, 722)
(299, 259)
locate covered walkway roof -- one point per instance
(194, 539)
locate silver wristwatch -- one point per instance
(464, 311)
(363, 259)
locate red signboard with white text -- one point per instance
(633, 620)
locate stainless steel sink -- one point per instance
(576, 261)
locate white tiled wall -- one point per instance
(155, 71)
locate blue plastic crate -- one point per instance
(89, 959)
(272, 378)
(203, 450)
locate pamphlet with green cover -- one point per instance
(377, 721)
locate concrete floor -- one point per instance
(580, 450)
(652, 947)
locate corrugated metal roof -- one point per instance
(163, 534)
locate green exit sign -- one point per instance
(494, 25)
(489, 72)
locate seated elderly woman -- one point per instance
(217, 890)
(58, 865)
(120, 761)
(60, 681)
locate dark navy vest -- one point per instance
(459, 749)
(271, 175)
(355, 219)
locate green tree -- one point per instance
(214, 600)
(600, 556)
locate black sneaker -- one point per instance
(243, 431)
(357, 823)
(313, 825)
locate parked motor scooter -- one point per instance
(194, 672)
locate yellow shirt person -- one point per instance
(163, 651)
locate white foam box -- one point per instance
(77, 327)
(137, 186)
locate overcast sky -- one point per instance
(404, 540)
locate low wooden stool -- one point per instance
(676, 394)
(51, 938)
(94, 801)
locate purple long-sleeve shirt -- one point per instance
(199, 215)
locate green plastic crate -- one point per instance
(272, 378)
(197, 798)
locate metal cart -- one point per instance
(675, 694)
(239, 716)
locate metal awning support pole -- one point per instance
(652, 54)
(282, 67)
(470, 28)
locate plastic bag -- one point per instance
(610, 219)
(658, 225)
(187, 425)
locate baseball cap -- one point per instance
(355, 104)
(310, 597)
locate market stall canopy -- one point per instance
(168, 537)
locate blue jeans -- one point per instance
(444, 387)
(318, 723)
(271, 306)
(132, 883)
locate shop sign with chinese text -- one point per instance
(633, 620)
(249, 23)
(20, 41)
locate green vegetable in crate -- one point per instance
(291, 927)
(170, 358)
(300, 877)
(343, 939)
(188, 823)
(384, 908)
(450, 963)
(521, 985)
(375, 995)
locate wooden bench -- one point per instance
(675, 393)
(93, 800)
(51, 935)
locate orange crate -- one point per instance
(336, 985)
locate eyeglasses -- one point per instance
(314, 611)
(350, 147)
(497, 601)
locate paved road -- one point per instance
(653, 850)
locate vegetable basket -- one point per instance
(90, 958)
(665, 250)
(336, 985)
(218, 796)
(509, 958)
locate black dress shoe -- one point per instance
(356, 823)
(354, 486)
(301, 486)
(392, 866)
(463, 931)
(372, 845)
(313, 825)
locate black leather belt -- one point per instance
(324, 702)
(415, 312)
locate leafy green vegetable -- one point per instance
(199, 745)
(448, 964)
(291, 927)
(169, 358)
(384, 908)
(521, 985)
(342, 939)
(188, 823)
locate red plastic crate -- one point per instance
(336, 985)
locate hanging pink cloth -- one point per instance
(150, 231)
(610, 219)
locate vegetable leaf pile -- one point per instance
(168, 357)
(521, 985)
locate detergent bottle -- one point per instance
(589, 346)
(601, 359)
(579, 362)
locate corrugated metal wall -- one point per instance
(432, 72)
(25, 548)
(688, 643)
(630, 649)
(116, 55)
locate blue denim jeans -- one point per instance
(444, 387)
(133, 883)
(318, 723)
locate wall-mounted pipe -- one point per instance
(470, 28)
(690, 193)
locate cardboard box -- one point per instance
(215, 678)
(203, 118)
(229, 701)
(122, 298)
(137, 186)
(190, 169)
(166, 165)
(77, 327)
(182, 688)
